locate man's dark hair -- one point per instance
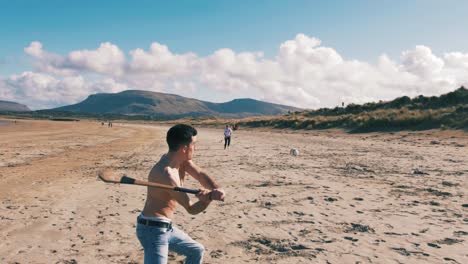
(180, 135)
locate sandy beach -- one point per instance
(346, 198)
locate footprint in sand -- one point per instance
(449, 241)
(433, 245)
(350, 238)
(451, 259)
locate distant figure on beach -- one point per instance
(155, 229)
(110, 124)
(227, 136)
(102, 123)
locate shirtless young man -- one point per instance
(154, 227)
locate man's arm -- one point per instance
(199, 175)
(184, 200)
(205, 180)
(193, 208)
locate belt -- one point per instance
(154, 223)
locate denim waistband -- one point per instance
(155, 218)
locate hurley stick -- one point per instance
(107, 176)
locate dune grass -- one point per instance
(449, 111)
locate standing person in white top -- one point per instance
(227, 136)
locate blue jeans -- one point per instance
(157, 241)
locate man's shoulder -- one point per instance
(168, 177)
(160, 172)
(187, 163)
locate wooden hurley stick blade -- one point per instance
(107, 176)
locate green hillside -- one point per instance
(446, 111)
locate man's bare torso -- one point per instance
(161, 203)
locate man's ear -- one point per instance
(184, 148)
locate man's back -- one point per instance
(227, 132)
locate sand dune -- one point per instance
(362, 198)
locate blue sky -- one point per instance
(356, 30)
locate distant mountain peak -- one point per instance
(140, 102)
(7, 106)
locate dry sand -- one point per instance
(363, 198)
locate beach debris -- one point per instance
(217, 253)
(294, 152)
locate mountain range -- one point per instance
(146, 103)
(7, 106)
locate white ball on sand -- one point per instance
(294, 152)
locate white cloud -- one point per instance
(307, 51)
(107, 85)
(35, 49)
(422, 62)
(40, 90)
(5, 92)
(456, 60)
(33, 89)
(160, 60)
(107, 59)
(304, 73)
(46, 62)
